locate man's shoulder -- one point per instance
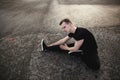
(82, 28)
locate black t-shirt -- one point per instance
(89, 43)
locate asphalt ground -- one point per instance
(92, 2)
(24, 23)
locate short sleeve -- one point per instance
(80, 34)
(70, 34)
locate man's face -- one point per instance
(66, 27)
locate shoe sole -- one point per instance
(42, 44)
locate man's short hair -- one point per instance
(66, 20)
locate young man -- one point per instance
(84, 43)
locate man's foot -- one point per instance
(78, 51)
(43, 45)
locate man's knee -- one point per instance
(94, 66)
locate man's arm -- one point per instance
(76, 46)
(61, 41)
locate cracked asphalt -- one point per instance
(23, 23)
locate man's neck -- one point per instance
(73, 29)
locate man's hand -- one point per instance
(64, 46)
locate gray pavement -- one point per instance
(23, 23)
(93, 2)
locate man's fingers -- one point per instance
(62, 46)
